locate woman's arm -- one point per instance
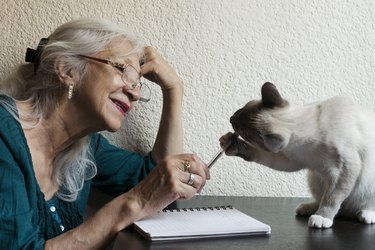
(166, 183)
(169, 140)
(100, 229)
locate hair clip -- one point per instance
(33, 56)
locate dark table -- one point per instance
(288, 231)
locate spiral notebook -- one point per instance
(192, 223)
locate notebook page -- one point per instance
(203, 222)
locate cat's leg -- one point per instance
(239, 147)
(361, 202)
(316, 188)
(363, 199)
(307, 208)
(366, 216)
(339, 182)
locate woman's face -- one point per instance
(104, 97)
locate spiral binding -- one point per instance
(197, 209)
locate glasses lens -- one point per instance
(145, 93)
(131, 77)
(132, 80)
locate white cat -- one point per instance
(333, 139)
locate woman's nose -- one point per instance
(133, 94)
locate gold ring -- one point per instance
(186, 165)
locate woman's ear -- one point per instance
(66, 76)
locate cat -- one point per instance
(334, 139)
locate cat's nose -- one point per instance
(234, 117)
(231, 119)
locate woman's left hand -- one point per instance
(156, 69)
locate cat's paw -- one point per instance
(366, 216)
(305, 209)
(318, 221)
(232, 150)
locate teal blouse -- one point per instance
(27, 220)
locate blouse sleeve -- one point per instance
(17, 229)
(118, 170)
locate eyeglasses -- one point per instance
(129, 75)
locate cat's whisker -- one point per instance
(247, 142)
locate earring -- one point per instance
(70, 91)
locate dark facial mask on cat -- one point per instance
(248, 121)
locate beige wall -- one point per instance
(224, 50)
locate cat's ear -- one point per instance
(271, 97)
(273, 142)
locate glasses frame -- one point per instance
(122, 68)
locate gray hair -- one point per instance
(44, 90)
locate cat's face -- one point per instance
(246, 123)
(252, 124)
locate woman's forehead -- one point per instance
(120, 48)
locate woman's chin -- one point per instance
(113, 126)
(113, 129)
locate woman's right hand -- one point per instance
(158, 70)
(167, 182)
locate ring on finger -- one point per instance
(186, 165)
(191, 179)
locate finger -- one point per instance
(206, 170)
(200, 170)
(193, 180)
(149, 51)
(150, 71)
(148, 66)
(185, 190)
(197, 166)
(158, 70)
(191, 164)
(204, 167)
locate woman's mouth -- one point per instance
(121, 106)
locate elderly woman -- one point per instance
(83, 79)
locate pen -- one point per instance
(221, 151)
